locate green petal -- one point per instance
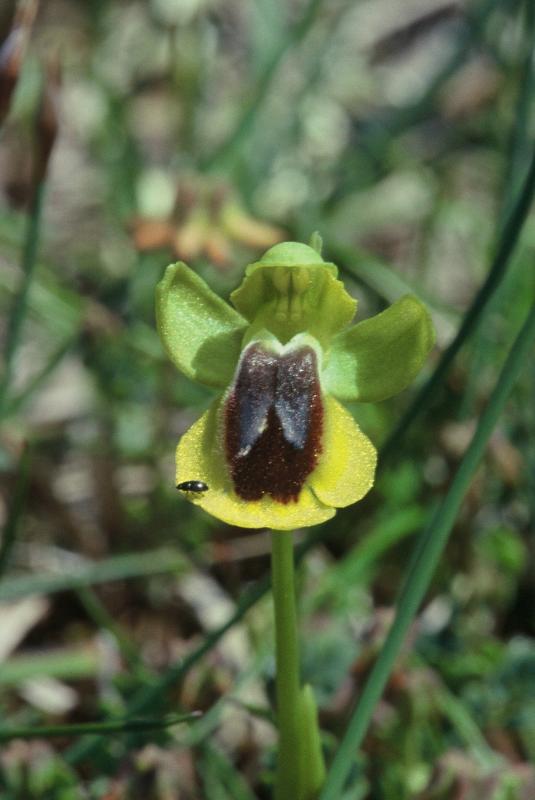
(292, 290)
(200, 456)
(379, 357)
(201, 333)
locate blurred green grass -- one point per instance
(404, 133)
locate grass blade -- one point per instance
(520, 137)
(18, 312)
(15, 510)
(70, 664)
(106, 727)
(116, 568)
(433, 542)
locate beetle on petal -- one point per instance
(277, 448)
(192, 486)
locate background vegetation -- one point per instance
(208, 130)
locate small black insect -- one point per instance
(192, 486)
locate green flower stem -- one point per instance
(300, 765)
(287, 786)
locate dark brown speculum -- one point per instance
(273, 422)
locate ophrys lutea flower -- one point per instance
(276, 448)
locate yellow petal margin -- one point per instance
(200, 456)
(346, 468)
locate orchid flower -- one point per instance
(277, 448)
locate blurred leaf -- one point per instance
(116, 568)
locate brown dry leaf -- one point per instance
(12, 53)
(151, 234)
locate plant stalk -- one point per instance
(287, 784)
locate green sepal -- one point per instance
(201, 333)
(290, 290)
(379, 357)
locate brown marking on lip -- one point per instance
(273, 423)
